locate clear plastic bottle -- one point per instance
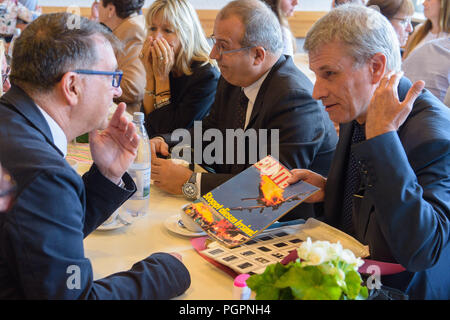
(140, 171)
(17, 32)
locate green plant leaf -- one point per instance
(310, 283)
(263, 284)
(327, 281)
(353, 282)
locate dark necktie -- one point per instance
(241, 111)
(352, 180)
(239, 123)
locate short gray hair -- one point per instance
(262, 27)
(364, 30)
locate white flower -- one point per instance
(349, 258)
(316, 256)
(318, 252)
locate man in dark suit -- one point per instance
(50, 103)
(389, 182)
(276, 96)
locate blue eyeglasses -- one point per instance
(116, 75)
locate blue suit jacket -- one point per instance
(41, 237)
(405, 210)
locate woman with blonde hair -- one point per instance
(437, 25)
(181, 78)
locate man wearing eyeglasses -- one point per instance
(260, 89)
(64, 81)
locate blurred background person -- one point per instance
(430, 63)
(283, 10)
(399, 13)
(181, 79)
(437, 25)
(447, 98)
(5, 85)
(335, 3)
(123, 19)
(32, 5)
(10, 12)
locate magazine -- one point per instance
(242, 207)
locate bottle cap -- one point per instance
(138, 117)
(240, 280)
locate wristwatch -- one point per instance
(190, 189)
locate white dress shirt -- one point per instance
(58, 135)
(251, 92)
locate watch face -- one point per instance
(190, 190)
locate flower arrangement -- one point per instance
(323, 271)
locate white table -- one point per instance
(117, 250)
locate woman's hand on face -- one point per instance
(146, 56)
(163, 58)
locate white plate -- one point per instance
(172, 224)
(116, 224)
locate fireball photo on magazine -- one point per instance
(242, 207)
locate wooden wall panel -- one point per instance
(300, 22)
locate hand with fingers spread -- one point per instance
(385, 112)
(162, 58)
(146, 57)
(312, 178)
(114, 149)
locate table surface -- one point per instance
(117, 250)
(111, 251)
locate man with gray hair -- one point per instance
(389, 182)
(260, 89)
(64, 81)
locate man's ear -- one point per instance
(70, 88)
(259, 55)
(111, 10)
(377, 67)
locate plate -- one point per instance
(172, 224)
(116, 224)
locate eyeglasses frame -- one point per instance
(117, 73)
(221, 52)
(404, 21)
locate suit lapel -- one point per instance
(22, 103)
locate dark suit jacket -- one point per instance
(307, 137)
(191, 99)
(41, 237)
(404, 214)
